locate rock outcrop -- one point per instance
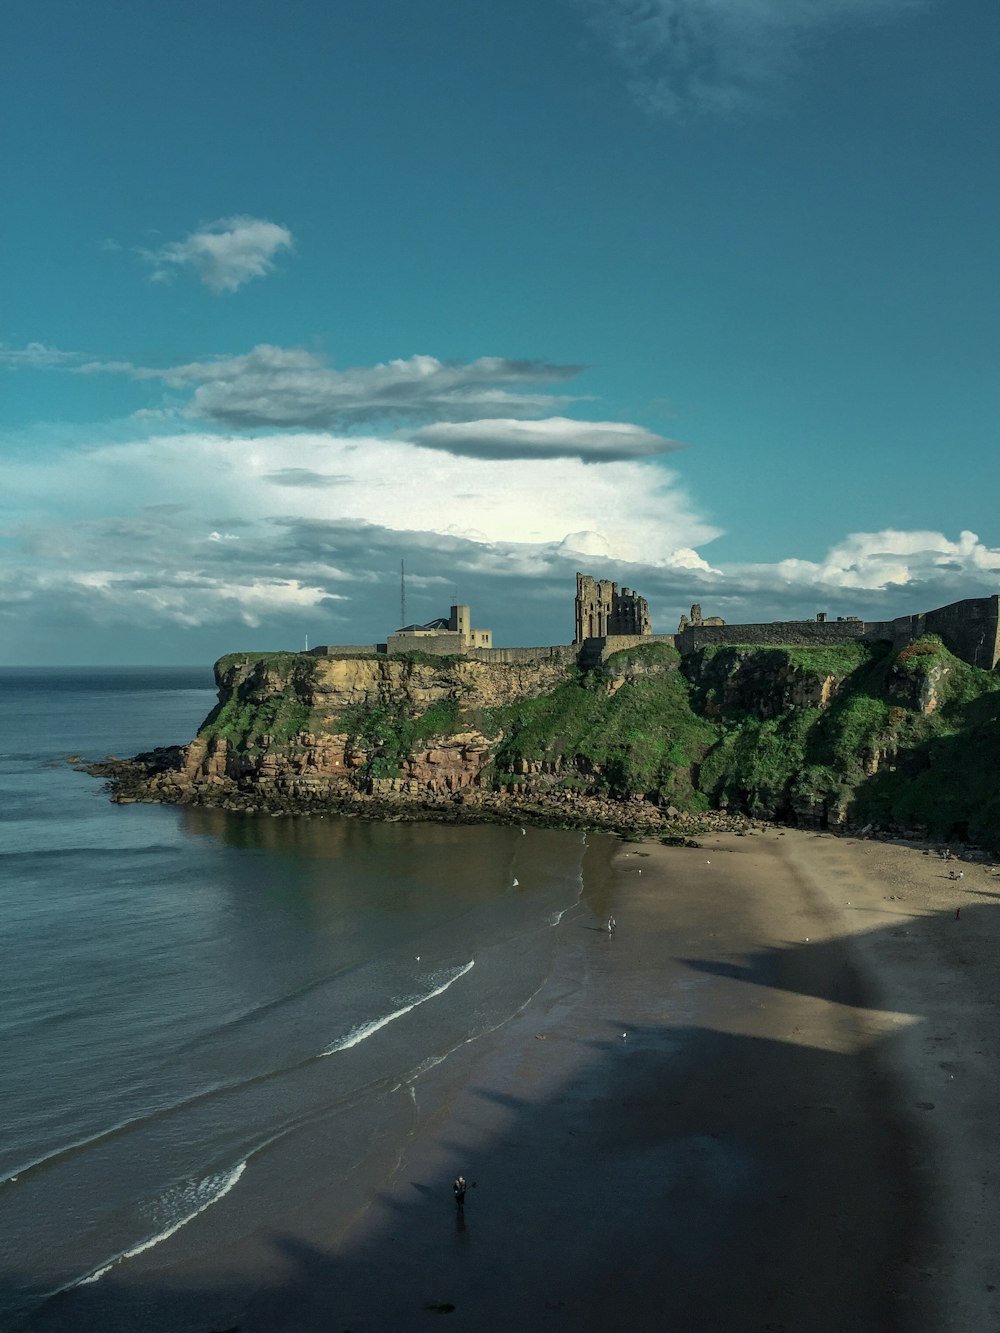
(857, 734)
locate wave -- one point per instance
(131, 1124)
(409, 1080)
(79, 851)
(204, 1193)
(366, 1030)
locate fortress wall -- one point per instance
(616, 643)
(776, 634)
(346, 650)
(443, 645)
(970, 629)
(594, 650)
(512, 656)
(896, 632)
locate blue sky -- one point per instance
(699, 295)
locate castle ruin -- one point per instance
(696, 618)
(602, 611)
(608, 620)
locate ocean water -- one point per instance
(205, 1016)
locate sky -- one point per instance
(696, 295)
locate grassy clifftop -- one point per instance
(833, 736)
(860, 733)
(627, 727)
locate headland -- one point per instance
(844, 725)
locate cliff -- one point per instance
(828, 736)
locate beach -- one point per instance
(765, 1102)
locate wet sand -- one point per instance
(766, 1103)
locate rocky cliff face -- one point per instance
(829, 737)
(301, 728)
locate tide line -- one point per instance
(218, 1187)
(365, 1030)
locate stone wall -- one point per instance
(565, 653)
(346, 650)
(970, 629)
(594, 651)
(774, 634)
(444, 644)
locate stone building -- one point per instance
(603, 612)
(609, 620)
(454, 635)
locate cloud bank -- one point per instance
(224, 254)
(203, 544)
(720, 58)
(290, 387)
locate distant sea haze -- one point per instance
(206, 1015)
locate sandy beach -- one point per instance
(767, 1102)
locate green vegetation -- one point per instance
(839, 659)
(943, 775)
(270, 695)
(646, 656)
(277, 660)
(641, 739)
(908, 739)
(818, 734)
(390, 732)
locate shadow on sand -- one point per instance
(707, 1182)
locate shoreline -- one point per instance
(128, 782)
(776, 1119)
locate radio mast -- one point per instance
(402, 594)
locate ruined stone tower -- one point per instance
(602, 610)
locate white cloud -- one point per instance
(224, 254)
(198, 530)
(38, 356)
(720, 57)
(201, 532)
(876, 561)
(553, 437)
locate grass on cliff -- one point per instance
(265, 699)
(643, 738)
(874, 753)
(277, 660)
(943, 775)
(390, 732)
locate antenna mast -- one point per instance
(402, 594)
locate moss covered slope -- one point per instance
(859, 734)
(833, 736)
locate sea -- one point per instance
(203, 1014)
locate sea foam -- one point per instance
(365, 1030)
(202, 1194)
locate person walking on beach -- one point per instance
(612, 925)
(459, 1188)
